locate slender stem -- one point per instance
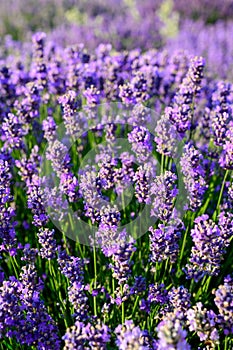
(162, 163)
(122, 308)
(183, 246)
(95, 279)
(135, 305)
(216, 212)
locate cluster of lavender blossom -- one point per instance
(173, 287)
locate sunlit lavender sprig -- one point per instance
(143, 177)
(222, 111)
(194, 175)
(166, 136)
(40, 69)
(70, 105)
(72, 268)
(226, 158)
(7, 211)
(87, 336)
(181, 112)
(163, 191)
(171, 334)
(207, 252)
(122, 263)
(140, 139)
(130, 336)
(13, 133)
(203, 322)
(164, 241)
(224, 302)
(48, 243)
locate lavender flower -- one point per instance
(203, 322)
(166, 136)
(49, 127)
(163, 190)
(7, 213)
(121, 265)
(207, 252)
(142, 177)
(226, 158)
(130, 337)
(193, 170)
(46, 239)
(164, 241)
(224, 302)
(70, 106)
(171, 335)
(81, 336)
(141, 142)
(181, 112)
(40, 73)
(72, 268)
(222, 112)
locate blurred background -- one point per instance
(203, 27)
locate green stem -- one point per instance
(122, 308)
(162, 164)
(183, 247)
(216, 212)
(95, 279)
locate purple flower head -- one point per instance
(203, 322)
(92, 95)
(207, 252)
(226, 158)
(143, 177)
(49, 246)
(164, 241)
(224, 302)
(70, 105)
(130, 336)
(181, 112)
(221, 113)
(194, 175)
(89, 336)
(140, 139)
(163, 191)
(171, 335)
(122, 264)
(49, 127)
(166, 136)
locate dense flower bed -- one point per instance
(116, 187)
(169, 288)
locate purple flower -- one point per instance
(171, 335)
(203, 322)
(143, 177)
(89, 336)
(166, 136)
(130, 336)
(70, 106)
(40, 69)
(7, 213)
(222, 111)
(121, 265)
(226, 158)
(224, 302)
(163, 191)
(181, 112)
(194, 175)
(164, 241)
(49, 246)
(207, 252)
(140, 139)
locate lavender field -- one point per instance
(116, 175)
